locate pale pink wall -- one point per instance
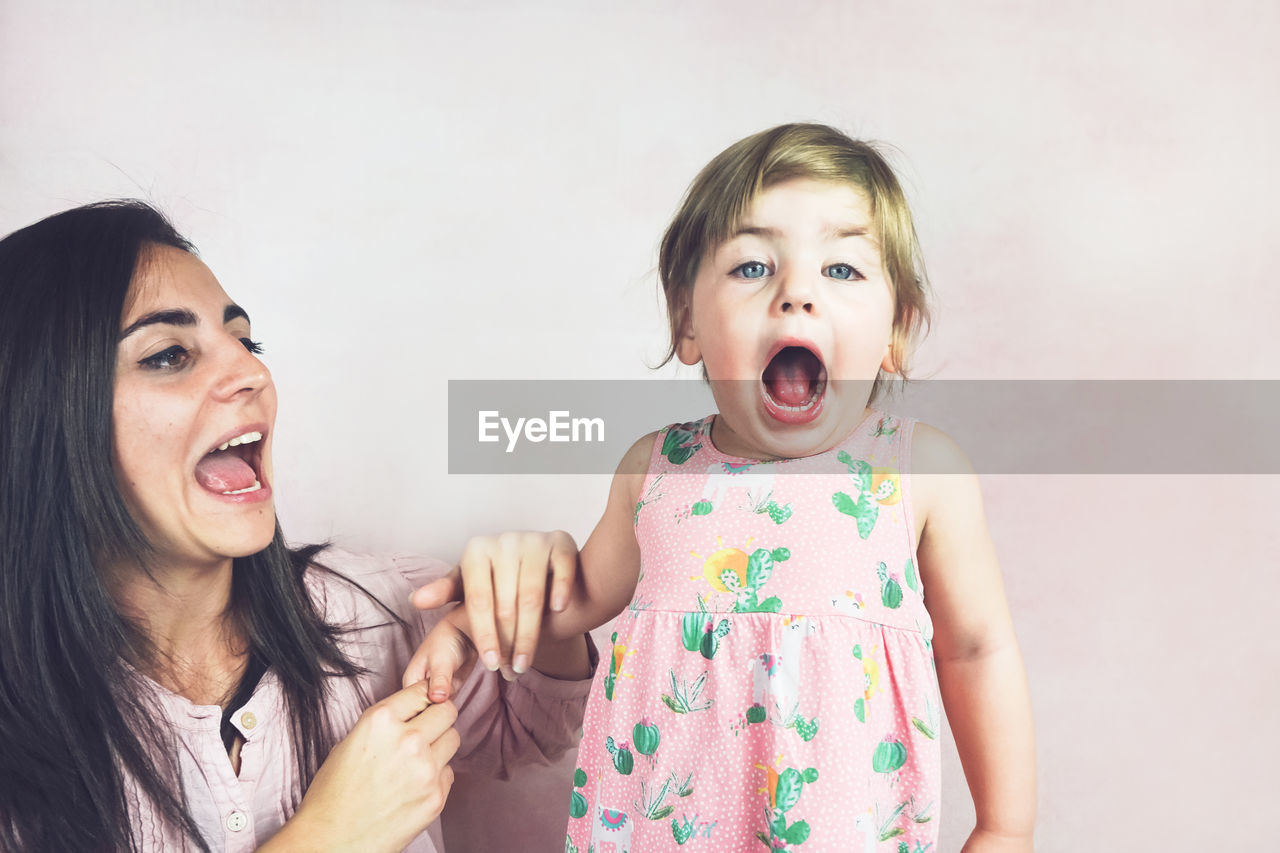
(404, 193)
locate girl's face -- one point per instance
(792, 318)
(188, 383)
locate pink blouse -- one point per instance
(502, 725)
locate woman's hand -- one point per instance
(503, 583)
(383, 784)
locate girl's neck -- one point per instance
(194, 646)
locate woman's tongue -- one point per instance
(790, 376)
(223, 471)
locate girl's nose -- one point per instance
(795, 294)
(242, 372)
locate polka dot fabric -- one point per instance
(772, 680)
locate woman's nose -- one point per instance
(241, 373)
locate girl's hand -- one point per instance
(383, 784)
(503, 582)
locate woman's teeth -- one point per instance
(247, 438)
(256, 485)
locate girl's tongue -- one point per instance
(223, 471)
(791, 378)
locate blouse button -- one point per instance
(237, 821)
(248, 720)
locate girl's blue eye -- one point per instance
(254, 347)
(167, 359)
(843, 272)
(752, 269)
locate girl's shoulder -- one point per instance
(942, 474)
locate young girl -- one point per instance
(778, 675)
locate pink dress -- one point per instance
(771, 685)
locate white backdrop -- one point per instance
(403, 193)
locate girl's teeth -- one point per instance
(256, 485)
(247, 438)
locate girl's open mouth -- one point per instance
(232, 469)
(793, 385)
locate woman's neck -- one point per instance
(197, 649)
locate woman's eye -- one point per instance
(254, 347)
(843, 272)
(751, 269)
(167, 359)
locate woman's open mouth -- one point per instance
(232, 469)
(794, 384)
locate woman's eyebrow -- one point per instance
(233, 311)
(168, 317)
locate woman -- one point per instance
(171, 674)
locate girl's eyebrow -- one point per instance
(836, 231)
(180, 317)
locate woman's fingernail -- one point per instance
(558, 603)
(520, 664)
(491, 660)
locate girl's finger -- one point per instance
(564, 569)
(440, 591)
(477, 578)
(445, 651)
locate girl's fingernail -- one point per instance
(558, 603)
(520, 664)
(491, 660)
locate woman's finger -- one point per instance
(477, 576)
(435, 721)
(564, 569)
(404, 704)
(444, 747)
(529, 599)
(506, 587)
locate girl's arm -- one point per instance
(503, 581)
(980, 672)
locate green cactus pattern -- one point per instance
(886, 426)
(676, 446)
(623, 760)
(890, 589)
(909, 572)
(577, 802)
(683, 698)
(645, 736)
(890, 754)
(864, 508)
(611, 680)
(700, 632)
(783, 835)
(759, 568)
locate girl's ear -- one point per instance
(897, 346)
(687, 349)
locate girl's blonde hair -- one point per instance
(724, 190)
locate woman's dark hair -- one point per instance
(75, 717)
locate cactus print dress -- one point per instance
(771, 685)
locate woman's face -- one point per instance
(189, 385)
